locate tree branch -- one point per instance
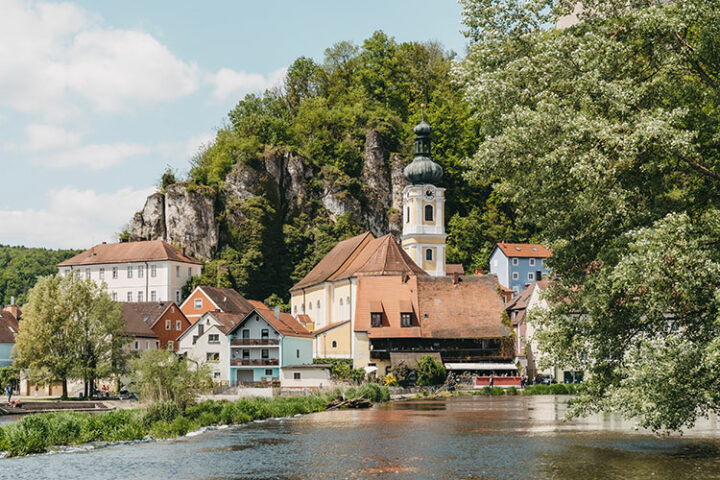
(701, 168)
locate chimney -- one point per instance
(478, 271)
(277, 313)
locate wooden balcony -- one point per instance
(255, 362)
(249, 342)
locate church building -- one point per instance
(382, 304)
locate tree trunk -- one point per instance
(86, 388)
(64, 388)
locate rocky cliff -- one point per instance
(196, 217)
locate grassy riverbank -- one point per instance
(37, 433)
(555, 389)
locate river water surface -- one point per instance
(463, 438)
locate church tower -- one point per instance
(423, 236)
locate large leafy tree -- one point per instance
(70, 329)
(605, 136)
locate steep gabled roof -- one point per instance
(228, 300)
(524, 250)
(139, 316)
(382, 256)
(520, 303)
(8, 327)
(286, 325)
(332, 326)
(147, 251)
(334, 261)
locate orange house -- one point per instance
(212, 299)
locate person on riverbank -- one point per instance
(8, 391)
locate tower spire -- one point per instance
(422, 170)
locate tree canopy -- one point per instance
(604, 138)
(20, 267)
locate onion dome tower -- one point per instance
(423, 236)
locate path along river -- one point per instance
(463, 438)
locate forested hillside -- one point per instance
(20, 267)
(301, 167)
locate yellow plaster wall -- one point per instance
(341, 335)
(429, 265)
(362, 350)
(342, 290)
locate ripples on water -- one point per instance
(465, 438)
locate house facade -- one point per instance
(205, 299)
(164, 319)
(148, 271)
(9, 327)
(518, 265)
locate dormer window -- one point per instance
(405, 319)
(376, 320)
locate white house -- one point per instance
(149, 271)
(206, 341)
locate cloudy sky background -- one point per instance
(98, 97)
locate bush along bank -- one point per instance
(37, 433)
(554, 389)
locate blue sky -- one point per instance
(98, 97)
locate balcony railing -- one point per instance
(253, 341)
(255, 362)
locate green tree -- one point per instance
(163, 376)
(604, 137)
(430, 372)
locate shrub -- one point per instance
(374, 392)
(162, 411)
(430, 372)
(511, 391)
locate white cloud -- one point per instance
(94, 156)
(231, 83)
(73, 218)
(54, 58)
(42, 137)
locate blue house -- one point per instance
(517, 265)
(264, 342)
(8, 330)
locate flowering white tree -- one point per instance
(606, 135)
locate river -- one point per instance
(489, 438)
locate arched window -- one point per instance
(318, 305)
(347, 300)
(407, 215)
(309, 305)
(428, 254)
(341, 303)
(429, 217)
(295, 309)
(334, 344)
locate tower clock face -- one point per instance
(429, 193)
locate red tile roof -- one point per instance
(524, 250)
(228, 300)
(147, 251)
(382, 256)
(331, 263)
(452, 268)
(139, 316)
(521, 301)
(8, 327)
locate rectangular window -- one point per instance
(246, 354)
(428, 254)
(115, 272)
(264, 333)
(531, 275)
(214, 338)
(102, 274)
(153, 296)
(171, 345)
(265, 353)
(532, 262)
(405, 319)
(515, 261)
(198, 303)
(212, 356)
(157, 344)
(189, 272)
(114, 296)
(147, 345)
(178, 325)
(268, 372)
(141, 297)
(153, 271)
(129, 272)
(376, 320)
(296, 376)
(137, 345)
(87, 274)
(129, 297)
(297, 353)
(246, 333)
(177, 271)
(177, 296)
(141, 271)
(168, 324)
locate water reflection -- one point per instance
(465, 438)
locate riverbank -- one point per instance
(428, 393)
(38, 433)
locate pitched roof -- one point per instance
(8, 327)
(334, 261)
(471, 308)
(285, 325)
(147, 251)
(228, 300)
(332, 326)
(524, 250)
(227, 321)
(381, 256)
(452, 268)
(139, 316)
(521, 301)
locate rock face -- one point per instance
(179, 217)
(189, 217)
